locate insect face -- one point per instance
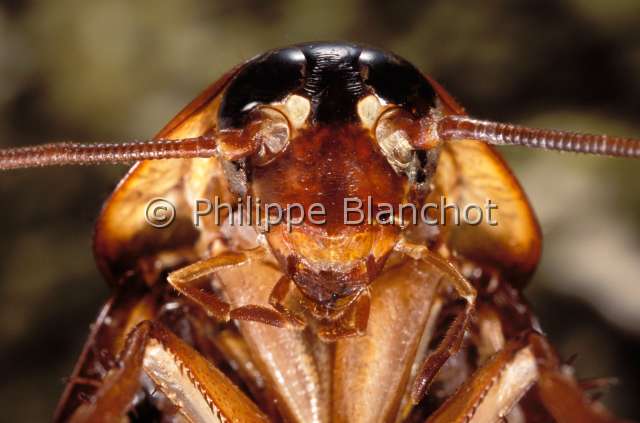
(324, 125)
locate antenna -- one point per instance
(456, 127)
(70, 153)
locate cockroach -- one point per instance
(327, 309)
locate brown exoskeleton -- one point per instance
(316, 124)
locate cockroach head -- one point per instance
(306, 88)
(327, 123)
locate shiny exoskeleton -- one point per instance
(318, 124)
(332, 155)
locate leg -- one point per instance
(188, 280)
(497, 386)
(283, 294)
(120, 314)
(185, 281)
(112, 400)
(198, 389)
(494, 388)
(149, 268)
(279, 315)
(455, 334)
(266, 315)
(557, 391)
(560, 393)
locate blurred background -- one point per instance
(116, 70)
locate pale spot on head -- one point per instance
(369, 109)
(297, 109)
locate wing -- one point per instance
(122, 236)
(470, 172)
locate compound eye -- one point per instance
(269, 130)
(394, 131)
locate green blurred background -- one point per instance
(116, 70)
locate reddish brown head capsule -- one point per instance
(352, 115)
